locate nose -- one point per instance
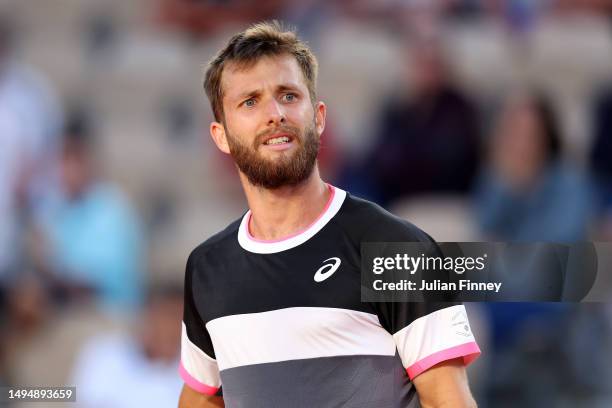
(275, 113)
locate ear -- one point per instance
(217, 132)
(320, 113)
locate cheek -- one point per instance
(302, 115)
(236, 128)
(243, 122)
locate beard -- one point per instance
(284, 170)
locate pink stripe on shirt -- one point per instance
(469, 351)
(195, 384)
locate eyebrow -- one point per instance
(280, 88)
(248, 94)
(288, 87)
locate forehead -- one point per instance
(267, 72)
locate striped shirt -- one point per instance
(281, 323)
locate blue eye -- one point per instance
(289, 97)
(249, 102)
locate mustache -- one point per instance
(261, 136)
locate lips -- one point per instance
(278, 138)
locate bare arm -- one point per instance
(445, 385)
(193, 399)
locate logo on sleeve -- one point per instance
(461, 325)
(327, 269)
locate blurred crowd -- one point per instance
(476, 120)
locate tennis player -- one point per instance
(273, 316)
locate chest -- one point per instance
(314, 275)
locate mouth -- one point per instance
(279, 141)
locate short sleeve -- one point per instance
(426, 334)
(198, 366)
(429, 331)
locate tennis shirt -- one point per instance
(281, 323)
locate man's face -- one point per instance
(75, 171)
(271, 128)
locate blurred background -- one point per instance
(476, 120)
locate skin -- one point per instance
(255, 99)
(76, 171)
(519, 153)
(445, 386)
(193, 399)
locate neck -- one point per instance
(279, 213)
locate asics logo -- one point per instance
(327, 270)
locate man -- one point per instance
(87, 209)
(426, 127)
(272, 303)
